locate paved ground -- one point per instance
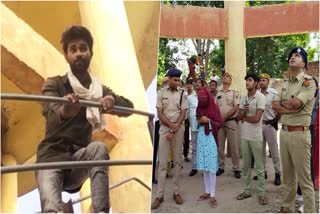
(228, 187)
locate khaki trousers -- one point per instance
(270, 136)
(164, 148)
(295, 158)
(229, 131)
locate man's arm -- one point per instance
(231, 112)
(110, 99)
(164, 120)
(254, 119)
(281, 109)
(235, 108)
(260, 106)
(56, 112)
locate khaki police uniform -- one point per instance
(169, 101)
(295, 142)
(230, 130)
(269, 132)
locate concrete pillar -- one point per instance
(115, 62)
(235, 45)
(9, 187)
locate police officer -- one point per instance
(294, 103)
(228, 102)
(269, 127)
(171, 108)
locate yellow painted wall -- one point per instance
(235, 45)
(48, 18)
(22, 138)
(143, 19)
(9, 190)
(121, 72)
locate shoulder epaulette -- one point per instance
(307, 77)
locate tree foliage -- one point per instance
(165, 57)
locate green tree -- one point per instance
(165, 57)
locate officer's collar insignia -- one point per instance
(299, 50)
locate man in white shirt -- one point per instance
(269, 127)
(250, 113)
(214, 76)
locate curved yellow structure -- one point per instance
(125, 58)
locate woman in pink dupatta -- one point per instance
(210, 121)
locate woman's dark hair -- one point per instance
(76, 32)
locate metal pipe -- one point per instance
(72, 164)
(113, 187)
(41, 98)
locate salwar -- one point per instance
(210, 180)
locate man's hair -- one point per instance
(213, 81)
(76, 32)
(254, 76)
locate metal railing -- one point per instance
(41, 98)
(115, 186)
(77, 164)
(72, 164)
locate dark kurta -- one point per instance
(64, 137)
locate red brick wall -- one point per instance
(313, 69)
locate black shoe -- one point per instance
(277, 179)
(220, 172)
(237, 174)
(154, 181)
(186, 159)
(252, 164)
(265, 176)
(193, 172)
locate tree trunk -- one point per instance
(207, 56)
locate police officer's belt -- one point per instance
(267, 122)
(230, 119)
(294, 128)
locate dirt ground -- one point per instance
(227, 189)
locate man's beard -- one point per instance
(80, 65)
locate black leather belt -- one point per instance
(230, 119)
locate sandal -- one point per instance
(203, 197)
(243, 195)
(262, 199)
(213, 202)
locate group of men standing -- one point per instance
(250, 122)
